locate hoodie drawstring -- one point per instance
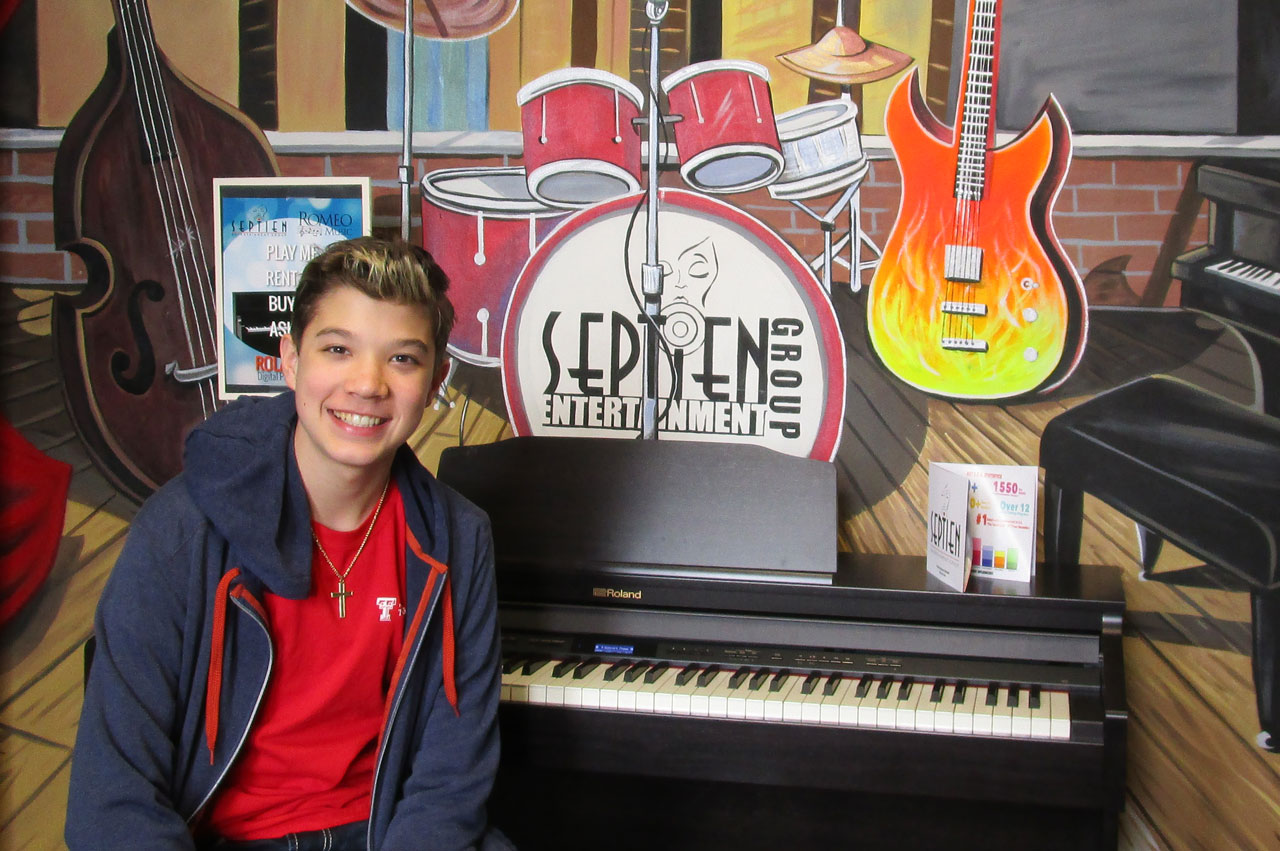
(213, 695)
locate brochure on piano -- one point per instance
(982, 521)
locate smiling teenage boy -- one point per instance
(298, 644)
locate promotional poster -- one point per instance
(269, 228)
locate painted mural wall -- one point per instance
(882, 240)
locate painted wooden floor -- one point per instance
(1196, 780)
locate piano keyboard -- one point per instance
(1247, 273)
(786, 696)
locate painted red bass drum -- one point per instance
(750, 348)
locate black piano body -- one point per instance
(576, 774)
(1236, 276)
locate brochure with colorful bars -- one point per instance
(999, 525)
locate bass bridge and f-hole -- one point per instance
(145, 369)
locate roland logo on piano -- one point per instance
(616, 593)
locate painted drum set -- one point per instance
(582, 147)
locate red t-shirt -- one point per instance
(309, 759)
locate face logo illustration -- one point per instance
(684, 296)
(386, 605)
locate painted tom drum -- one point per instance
(726, 138)
(821, 149)
(580, 145)
(481, 225)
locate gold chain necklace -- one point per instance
(342, 593)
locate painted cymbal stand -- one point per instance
(651, 270)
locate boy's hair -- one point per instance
(382, 269)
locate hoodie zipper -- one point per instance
(235, 752)
(418, 639)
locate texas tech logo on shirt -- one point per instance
(386, 607)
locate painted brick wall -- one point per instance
(1109, 210)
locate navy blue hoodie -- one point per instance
(184, 652)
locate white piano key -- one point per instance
(944, 711)
(1022, 715)
(832, 704)
(811, 703)
(515, 684)
(982, 710)
(540, 685)
(777, 691)
(590, 687)
(629, 689)
(1041, 718)
(1059, 715)
(1002, 715)
(682, 693)
(926, 706)
(736, 703)
(664, 694)
(906, 698)
(646, 697)
(757, 691)
(611, 688)
(869, 704)
(963, 716)
(887, 708)
(561, 676)
(851, 703)
(700, 697)
(716, 697)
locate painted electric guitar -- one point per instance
(973, 297)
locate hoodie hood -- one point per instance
(233, 472)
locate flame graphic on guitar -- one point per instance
(973, 297)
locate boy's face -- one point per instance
(363, 373)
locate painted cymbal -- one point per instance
(844, 57)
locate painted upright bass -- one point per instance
(974, 297)
(133, 197)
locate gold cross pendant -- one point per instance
(342, 594)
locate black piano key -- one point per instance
(705, 678)
(904, 690)
(810, 683)
(586, 667)
(864, 687)
(511, 663)
(687, 674)
(615, 670)
(778, 679)
(883, 691)
(1033, 697)
(961, 688)
(738, 676)
(759, 679)
(833, 682)
(535, 665)
(939, 686)
(634, 672)
(993, 694)
(564, 667)
(1012, 699)
(656, 671)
